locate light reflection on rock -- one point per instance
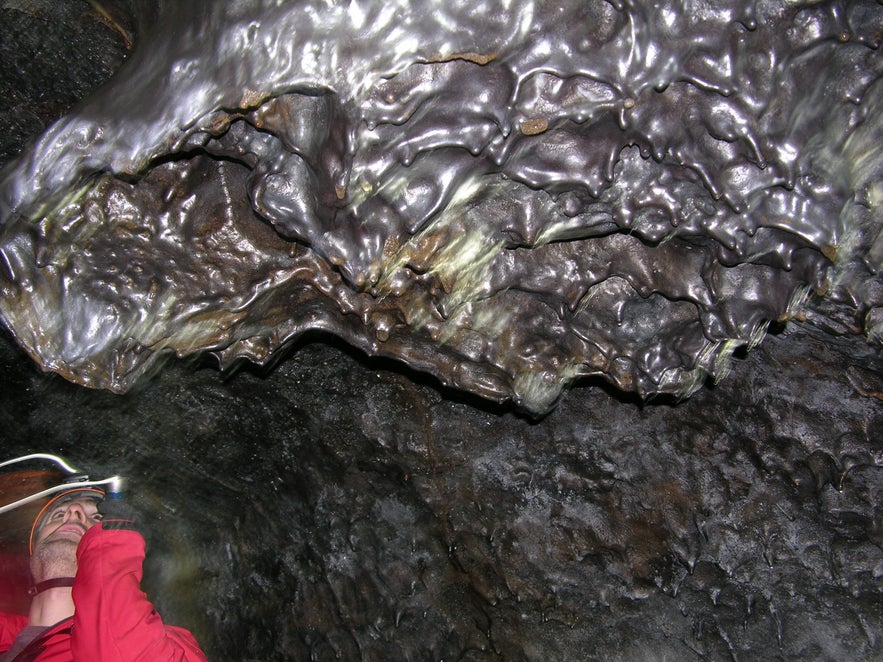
(509, 196)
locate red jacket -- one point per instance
(113, 619)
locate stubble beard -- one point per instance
(54, 558)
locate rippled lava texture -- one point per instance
(506, 197)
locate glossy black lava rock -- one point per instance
(341, 506)
(507, 195)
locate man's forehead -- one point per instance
(91, 498)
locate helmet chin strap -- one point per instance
(39, 587)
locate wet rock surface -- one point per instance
(338, 506)
(509, 196)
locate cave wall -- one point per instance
(335, 505)
(339, 506)
(510, 196)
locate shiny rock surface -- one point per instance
(337, 506)
(507, 195)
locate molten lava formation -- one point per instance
(508, 195)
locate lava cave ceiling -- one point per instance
(502, 329)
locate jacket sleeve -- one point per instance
(113, 619)
(10, 626)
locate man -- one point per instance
(86, 563)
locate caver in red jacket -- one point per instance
(113, 619)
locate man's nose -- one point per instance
(75, 511)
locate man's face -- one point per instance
(59, 533)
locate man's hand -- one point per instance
(116, 513)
